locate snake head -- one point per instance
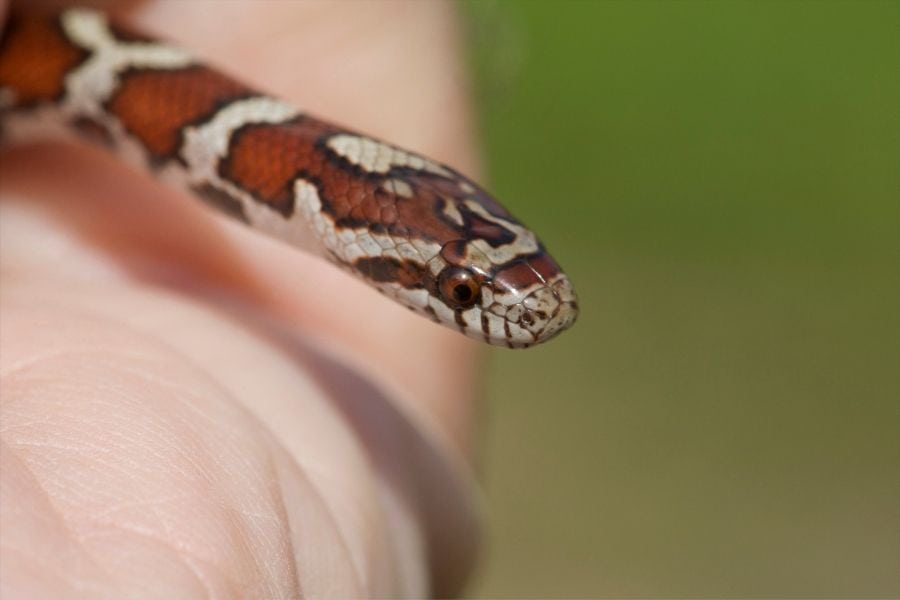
(516, 303)
(432, 239)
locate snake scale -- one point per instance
(419, 231)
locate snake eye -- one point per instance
(458, 287)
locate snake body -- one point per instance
(417, 230)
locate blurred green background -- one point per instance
(722, 182)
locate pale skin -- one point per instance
(189, 409)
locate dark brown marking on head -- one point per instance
(221, 200)
(485, 325)
(390, 270)
(155, 105)
(35, 56)
(477, 226)
(453, 188)
(543, 264)
(93, 131)
(429, 310)
(517, 276)
(454, 252)
(525, 272)
(460, 321)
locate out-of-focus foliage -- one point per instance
(722, 182)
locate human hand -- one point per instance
(190, 408)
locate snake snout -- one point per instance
(550, 310)
(544, 312)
